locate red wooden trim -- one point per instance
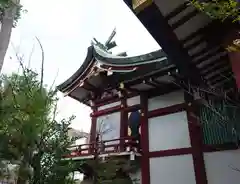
(120, 67)
(115, 109)
(195, 134)
(127, 138)
(167, 110)
(221, 147)
(112, 99)
(81, 76)
(172, 152)
(93, 128)
(106, 111)
(116, 147)
(106, 101)
(145, 165)
(123, 122)
(169, 88)
(132, 108)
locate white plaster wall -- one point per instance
(169, 132)
(109, 105)
(167, 100)
(136, 177)
(133, 101)
(109, 127)
(220, 167)
(172, 170)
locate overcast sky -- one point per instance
(66, 29)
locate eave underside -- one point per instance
(144, 79)
(102, 72)
(192, 40)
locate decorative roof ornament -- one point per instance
(109, 40)
(109, 44)
(99, 44)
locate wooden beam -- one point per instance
(151, 84)
(214, 66)
(196, 139)
(195, 43)
(159, 84)
(220, 81)
(132, 89)
(202, 51)
(164, 89)
(224, 75)
(140, 79)
(218, 72)
(158, 27)
(223, 59)
(177, 10)
(200, 32)
(89, 86)
(209, 55)
(184, 19)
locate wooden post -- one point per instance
(96, 156)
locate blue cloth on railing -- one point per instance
(134, 123)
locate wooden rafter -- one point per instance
(177, 10)
(199, 32)
(209, 55)
(184, 19)
(202, 51)
(213, 67)
(195, 43)
(159, 28)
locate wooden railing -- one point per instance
(124, 144)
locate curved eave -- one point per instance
(121, 61)
(78, 74)
(86, 79)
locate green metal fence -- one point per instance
(220, 123)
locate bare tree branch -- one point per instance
(42, 67)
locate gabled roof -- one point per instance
(121, 61)
(86, 63)
(102, 70)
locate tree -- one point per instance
(222, 10)
(30, 137)
(10, 13)
(219, 9)
(15, 6)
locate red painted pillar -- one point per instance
(145, 165)
(123, 121)
(93, 129)
(234, 55)
(196, 139)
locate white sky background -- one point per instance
(65, 29)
